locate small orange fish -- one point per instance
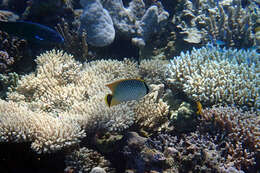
(126, 90)
(199, 108)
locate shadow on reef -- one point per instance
(16, 158)
(119, 49)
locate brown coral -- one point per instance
(243, 131)
(14, 47)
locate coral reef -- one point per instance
(184, 118)
(12, 49)
(153, 70)
(8, 16)
(143, 157)
(85, 160)
(47, 133)
(215, 75)
(137, 21)
(98, 24)
(7, 83)
(241, 127)
(228, 21)
(62, 89)
(5, 61)
(225, 139)
(148, 118)
(74, 41)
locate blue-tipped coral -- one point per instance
(214, 75)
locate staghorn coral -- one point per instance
(64, 89)
(47, 133)
(214, 75)
(7, 83)
(153, 70)
(229, 21)
(148, 118)
(75, 43)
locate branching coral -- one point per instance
(215, 75)
(153, 70)
(62, 89)
(225, 139)
(12, 50)
(47, 133)
(148, 117)
(5, 61)
(84, 159)
(243, 131)
(75, 42)
(228, 21)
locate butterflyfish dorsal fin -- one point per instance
(113, 85)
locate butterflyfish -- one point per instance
(125, 90)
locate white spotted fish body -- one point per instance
(126, 90)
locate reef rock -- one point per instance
(98, 24)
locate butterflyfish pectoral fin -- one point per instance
(110, 100)
(114, 102)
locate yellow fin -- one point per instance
(257, 29)
(199, 108)
(106, 99)
(110, 100)
(113, 85)
(114, 102)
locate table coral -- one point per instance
(215, 75)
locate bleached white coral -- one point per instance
(151, 111)
(215, 75)
(63, 99)
(47, 133)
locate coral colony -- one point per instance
(196, 111)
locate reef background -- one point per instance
(200, 59)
